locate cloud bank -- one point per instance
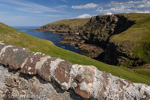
(138, 6)
(142, 6)
(84, 16)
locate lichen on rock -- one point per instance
(41, 76)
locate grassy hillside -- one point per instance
(71, 22)
(65, 26)
(137, 36)
(10, 35)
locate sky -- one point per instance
(41, 12)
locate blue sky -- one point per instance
(40, 12)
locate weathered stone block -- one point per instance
(62, 74)
(44, 71)
(13, 56)
(82, 79)
(33, 62)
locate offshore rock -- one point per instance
(40, 76)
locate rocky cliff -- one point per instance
(119, 39)
(29, 75)
(93, 37)
(99, 28)
(98, 31)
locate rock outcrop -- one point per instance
(93, 38)
(99, 28)
(38, 76)
(59, 28)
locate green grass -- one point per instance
(139, 31)
(71, 22)
(138, 35)
(142, 71)
(11, 36)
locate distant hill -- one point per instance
(9, 35)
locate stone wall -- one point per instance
(28, 73)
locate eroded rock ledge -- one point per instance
(86, 81)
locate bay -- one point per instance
(55, 38)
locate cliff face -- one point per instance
(94, 37)
(99, 29)
(120, 39)
(32, 75)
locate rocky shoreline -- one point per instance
(75, 40)
(88, 50)
(93, 38)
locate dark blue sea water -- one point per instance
(55, 38)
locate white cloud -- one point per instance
(87, 6)
(135, 6)
(109, 13)
(84, 16)
(142, 6)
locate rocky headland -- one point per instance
(29, 75)
(93, 37)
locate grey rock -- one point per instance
(53, 78)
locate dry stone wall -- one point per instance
(45, 75)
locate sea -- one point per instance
(55, 38)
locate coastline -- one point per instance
(74, 39)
